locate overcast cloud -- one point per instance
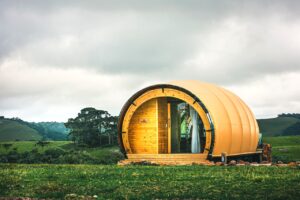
(57, 57)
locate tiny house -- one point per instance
(186, 121)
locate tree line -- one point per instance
(93, 128)
(295, 115)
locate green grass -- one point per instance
(275, 126)
(59, 152)
(22, 146)
(149, 182)
(283, 141)
(285, 148)
(12, 130)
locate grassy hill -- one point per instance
(277, 126)
(12, 130)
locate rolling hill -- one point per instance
(279, 126)
(13, 130)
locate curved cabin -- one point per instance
(186, 121)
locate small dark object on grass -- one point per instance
(42, 143)
(6, 145)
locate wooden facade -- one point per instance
(148, 129)
(162, 124)
(142, 132)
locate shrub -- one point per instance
(54, 153)
(110, 158)
(76, 157)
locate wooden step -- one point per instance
(190, 156)
(164, 162)
(167, 159)
(170, 159)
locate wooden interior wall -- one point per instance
(162, 116)
(142, 131)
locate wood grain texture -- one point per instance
(132, 142)
(162, 117)
(142, 131)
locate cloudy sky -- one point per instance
(57, 57)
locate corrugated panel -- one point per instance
(236, 129)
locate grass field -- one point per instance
(58, 152)
(22, 146)
(149, 182)
(285, 148)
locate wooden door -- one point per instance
(162, 116)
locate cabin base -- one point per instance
(167, 159)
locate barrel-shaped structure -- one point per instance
(229, 123)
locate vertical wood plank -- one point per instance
(162, 125)
(157, 128)
(169, 128)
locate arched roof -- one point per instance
(234, 127)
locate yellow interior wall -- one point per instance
(148, 128)
(143, 128)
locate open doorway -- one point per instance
(186, 132)
(166, 125)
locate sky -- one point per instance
(57, 57)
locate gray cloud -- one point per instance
(135, 43)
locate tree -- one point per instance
(6, 146)
(91, 127)
(42, 143)
(111, 129)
